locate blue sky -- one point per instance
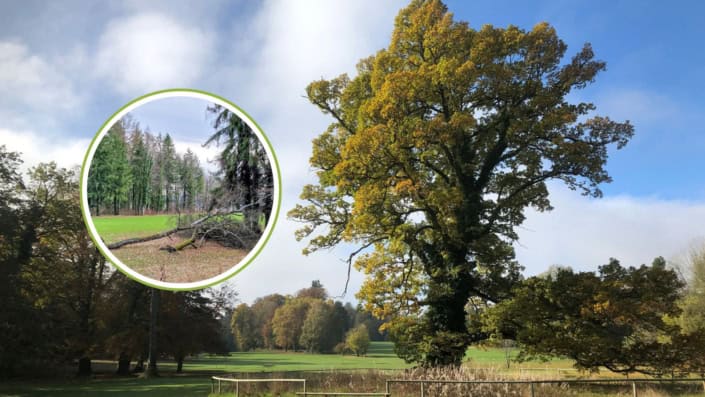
(186, 120)
(66, 67)
(654, 78)
(181, 117)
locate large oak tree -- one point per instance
(437, 147)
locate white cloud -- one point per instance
(150, 51)
(29, 80)
(322, 38)
(290, 44)
(294, 43)
(580, 232)
(584, 233)
(281, 268)
(197, 12)
(206, 155)
(639, 106)
(37, 148)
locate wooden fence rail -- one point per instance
(424, 382)
(237, 382)
(532, 383)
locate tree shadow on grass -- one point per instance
(155, 387)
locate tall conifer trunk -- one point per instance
(151, 370)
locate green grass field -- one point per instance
(113, 228)
(166, 386)
(380, 356)
(496, 358)
(195, 381)
(197, 372)
(116, 228)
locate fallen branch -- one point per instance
(189, 241)
(145, 239)
(167, 233)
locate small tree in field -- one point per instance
(693, 304)
(358, 340)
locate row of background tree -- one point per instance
(308, 320)
(61, 302)
(136, 172)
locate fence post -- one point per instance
(219, 390)
(634, 389)
(423, 393)
(237, 389)
(532, 389)
(386, 387)
(304, 387)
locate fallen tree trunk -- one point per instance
(168, 233)
(145, 239)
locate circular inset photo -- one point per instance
(180, 189)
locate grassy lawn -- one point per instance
(495, 358)
(197, 372)
(380, 356)
(116, 228)
(113, 228)
(196, 380)
(159, 387)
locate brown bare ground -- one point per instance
(188, 265)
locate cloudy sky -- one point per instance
(65, 67)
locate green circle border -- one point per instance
(274, 219)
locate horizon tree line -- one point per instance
(309, 320)
(136, 172)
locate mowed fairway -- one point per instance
(121, 227)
